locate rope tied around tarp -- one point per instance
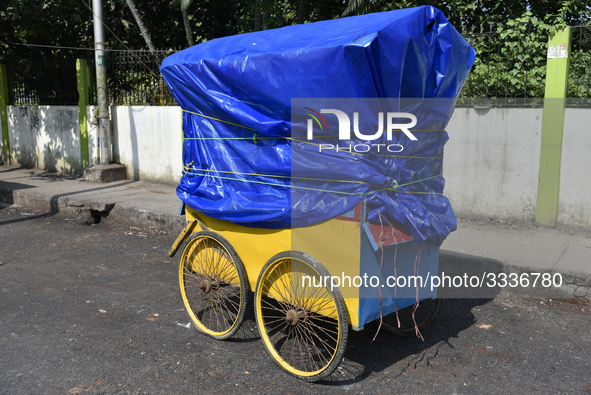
(215, 174)
(254, 139)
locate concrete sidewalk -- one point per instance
(478, 245)
(133, 202)
(521, 247)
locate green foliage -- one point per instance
(464, 14)
(579, 86)
(511, 60)
(69, 22)
(41, 23)
(510, 37)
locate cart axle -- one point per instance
(293, 317)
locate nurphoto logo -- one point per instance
(392, 120)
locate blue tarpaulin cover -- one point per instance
(239, 154)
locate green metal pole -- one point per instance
(82, 80)
(4, 113)
(553, 128)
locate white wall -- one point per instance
(92, 136)
(45, 137)
(491, 161)
(575, 175)
(148, 141)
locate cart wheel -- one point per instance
(304, 328)
(213, 285)
(425, 314)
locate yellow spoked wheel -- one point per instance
(303, 326)
(213, 285)
(424, 316)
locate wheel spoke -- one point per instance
(212, 287)
(295, 319)
(323, 331)
(310, 340)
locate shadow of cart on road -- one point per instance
(374, 349)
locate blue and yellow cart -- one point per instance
(316, 271)
(310, 284)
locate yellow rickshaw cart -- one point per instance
(310, 284)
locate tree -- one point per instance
(470, 13)
(184, 10)
(257, 15)
(140, 24)
(355, 7)
(302, 11)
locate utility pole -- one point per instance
(104, 120)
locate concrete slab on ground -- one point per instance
(134, 202)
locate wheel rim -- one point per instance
(299, 325)
(210, 286)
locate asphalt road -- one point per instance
(96, 309)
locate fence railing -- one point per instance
(579, 82)
(43, 82)
(133, 78)
(509, 70)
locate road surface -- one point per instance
(93, 309)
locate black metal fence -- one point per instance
(133, 78)
(508, 70)
(43, 82)
(511, 70)
(579, 82)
